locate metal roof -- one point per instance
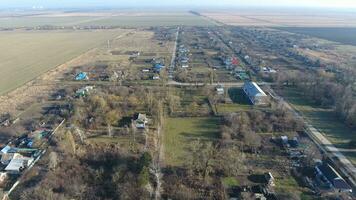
(253, 89)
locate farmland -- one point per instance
(29, 54)
(297, 18)
(341, 35)
(107, 19)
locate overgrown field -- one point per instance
(342, 35)
(26, 55)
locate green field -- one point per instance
(324, 120)
(179, 132)
(26, 55)
(139, 20)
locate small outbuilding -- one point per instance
(140, 121)
(220, 90)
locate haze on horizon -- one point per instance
(177, 3)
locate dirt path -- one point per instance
(156, 164)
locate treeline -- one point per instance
(325, 89)
(241, 124)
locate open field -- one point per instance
(342, 35)
(325, 121)
(108, 19)
(280, 18)
(29, 54)
(179, 132)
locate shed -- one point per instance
(140, 121)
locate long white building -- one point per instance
(255, 93)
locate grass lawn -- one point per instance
(228, 108)
(239, 99)
(324, 120)
(230, 181)
(237, 95)
(179, 132)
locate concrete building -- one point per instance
(255, 93)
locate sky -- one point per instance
(155, 3)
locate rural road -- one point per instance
(346, 166)
(224, 84)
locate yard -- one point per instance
(180, 132)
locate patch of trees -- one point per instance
(245, 125)
(107, 108)
(102, 172)
(205, 165)
(279, 120)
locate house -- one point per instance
(140, 121)
(269, 179)
(268, 70)
(81, 76)
(84, 91)
(18, 163)
(220, 90)
(332, 177)
(255, 93)
(185, 66)
(158, 67)
(5, 149)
